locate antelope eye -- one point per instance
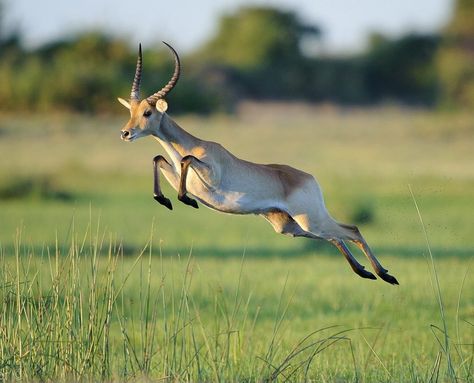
(147, 113)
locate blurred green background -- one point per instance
(370, 123)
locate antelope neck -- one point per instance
(174, 139)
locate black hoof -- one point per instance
(188, 201)
(164, 201)
(366, 274)
(388, 278)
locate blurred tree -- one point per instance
(256, 37)
(456, 57)
(86, 73)
(257, 53)
(402, 69)
(338, 80)
(9, 40)
(1, 21)
(11, 53)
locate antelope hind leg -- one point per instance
(379, 270)
(354, 235)
(356, 266)
(283, 223)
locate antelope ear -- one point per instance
(125, 103)
(161, 105)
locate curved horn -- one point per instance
(135, 93)
(171, 83)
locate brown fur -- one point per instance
(291, 178)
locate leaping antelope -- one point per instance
(290, 199)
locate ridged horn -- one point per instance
(171, 83)
(135, 93)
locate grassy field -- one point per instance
(101, 282)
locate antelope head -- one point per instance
(146, 114)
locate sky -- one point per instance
(188, 24)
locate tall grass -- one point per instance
(445, 343)
(67, 315)
(56, 319)
(84, 311)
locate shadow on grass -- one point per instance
(299, 250)
(319, 248)
(39, 187)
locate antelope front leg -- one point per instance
(157, 194)
(185, 163)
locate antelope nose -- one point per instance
(125, 134)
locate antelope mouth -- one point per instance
(127, 136)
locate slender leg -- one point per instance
(354, 235)
(379, 270)
(182, 196)
(157, 194)
(356, 266)
(283, 223)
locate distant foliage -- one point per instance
(402, 69)
(86, 74)
(258, 53)
(456, 58)
(363, 212)
(44, 188)
(256, 38)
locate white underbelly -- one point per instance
(243, 201)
